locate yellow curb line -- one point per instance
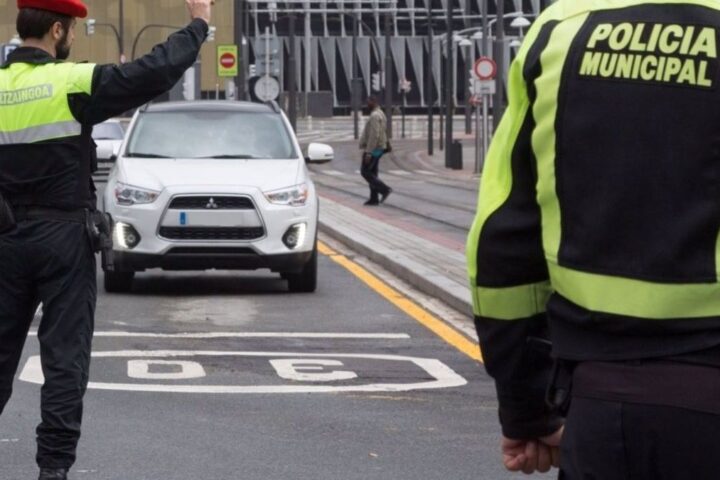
(437, 326)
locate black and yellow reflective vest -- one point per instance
(48, 108)
(598, 221)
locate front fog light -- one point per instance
(295, 236)
(125, 236)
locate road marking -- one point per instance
(443, 376)
(140, 369)
(440, 328)
(307, 370)
(335, 173)
(427, 172)
(404, 173)
(352, 336)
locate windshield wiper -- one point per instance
(240, 157)
(146, 155)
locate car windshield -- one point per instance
(207, 134)
(108, 131)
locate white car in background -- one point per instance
(108, 137)
(213, 185)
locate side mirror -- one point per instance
(115, 153)
(319, 153)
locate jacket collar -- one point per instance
(35, 56)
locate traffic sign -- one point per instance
(484, 87)
(485, 68)
(227, 60)
(267, 88)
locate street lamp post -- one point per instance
(239, 34)
(121, 30)
(429, 79)
(449, 85)
(465, 44)
(388, 73)
(142, 30)
(498, 103)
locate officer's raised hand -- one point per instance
(200, 9)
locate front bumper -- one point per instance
(195, 258)
(267, 251)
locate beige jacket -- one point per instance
(374, 134)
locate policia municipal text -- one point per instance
(595, 254)
(47, 226)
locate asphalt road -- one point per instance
(227, 376)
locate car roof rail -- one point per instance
(274, 105)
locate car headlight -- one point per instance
(295, 196)
(129, 195)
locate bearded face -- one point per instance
(62, 46)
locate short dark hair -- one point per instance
(35, 23)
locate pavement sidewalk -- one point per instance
(429, 261)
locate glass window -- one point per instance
(108, 131)
(208, 134)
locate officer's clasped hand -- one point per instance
(530, 456)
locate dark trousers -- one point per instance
(369, 171)
(50, 263)
(609, 440)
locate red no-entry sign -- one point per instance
(485, 68)
(227, 60)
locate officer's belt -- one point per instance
(46, 213)
(651, 382)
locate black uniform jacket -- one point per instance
(598, 222)
(57, 173)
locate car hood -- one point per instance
(158, 173)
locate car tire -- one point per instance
(118, 282)
(306, 280)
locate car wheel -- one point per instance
(306, 280)
(118, 282)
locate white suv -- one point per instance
(213, 185)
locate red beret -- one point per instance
(73, 8)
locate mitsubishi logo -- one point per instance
(211, 204)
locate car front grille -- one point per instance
(208, 202)
(212, 233)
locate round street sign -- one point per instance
(485, 68)
(267, 88)
(227, 60)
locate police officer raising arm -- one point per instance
(47, 212)
(594, 257)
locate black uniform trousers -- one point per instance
(370, 171)
(52, 263)
(653, 439)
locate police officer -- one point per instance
(597, 232)
(47, 110)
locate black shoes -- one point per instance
(372, 203)
(384, 196)
(53, 474)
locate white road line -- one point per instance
(443, 376)
(400, 172)
(361, 336)
(427, 172)
(335, 173)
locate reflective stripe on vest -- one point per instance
(34, 101)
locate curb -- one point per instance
(428, 282)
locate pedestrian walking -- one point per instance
(593, 257)
(374, 144)
(49, 227)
